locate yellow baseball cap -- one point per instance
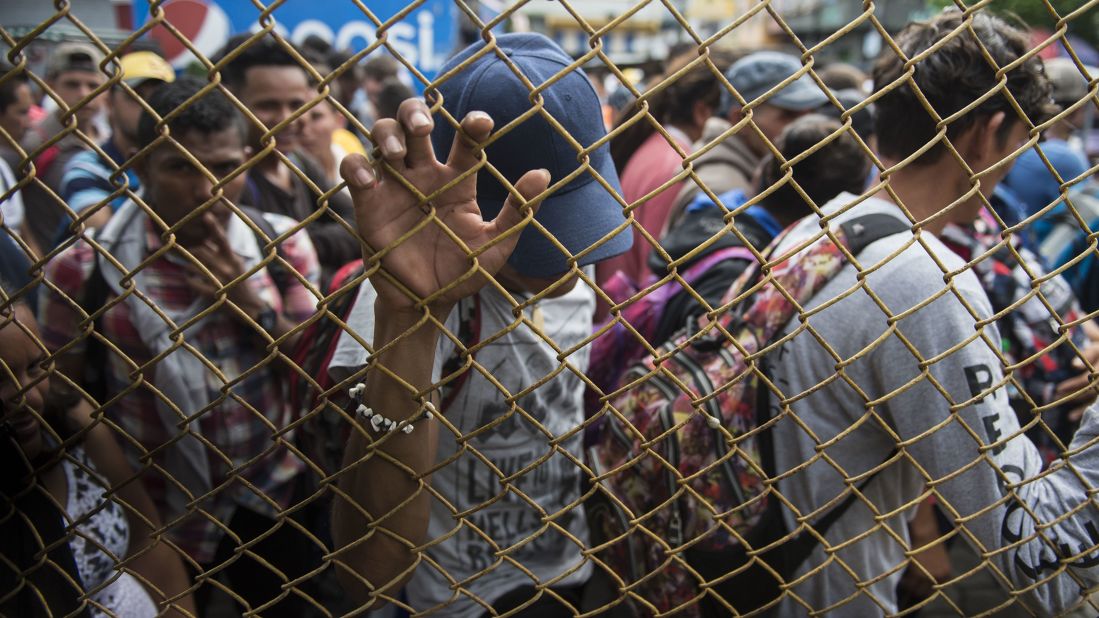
(137, 67)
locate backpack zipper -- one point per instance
(713, 411)
(667, 421)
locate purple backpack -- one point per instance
(621, 342)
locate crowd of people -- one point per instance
(169, 244)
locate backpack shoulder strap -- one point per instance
(861, 232)
(701, 266)
(257, 217)
(858, 233)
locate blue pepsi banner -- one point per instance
(426, 37)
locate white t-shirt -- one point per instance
(507, 507)
(12, 208)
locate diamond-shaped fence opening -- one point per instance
(618, 308)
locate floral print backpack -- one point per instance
(681, 448)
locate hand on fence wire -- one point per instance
(416, 250)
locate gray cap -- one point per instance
(759, 72)
(73, 56)
(1069, 85)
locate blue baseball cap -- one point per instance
(582, 212)
(1033, 183)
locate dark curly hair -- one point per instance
(838, 166)
(674, 104)
(12, 80)
(264, 52)
(211, 113)
(952, 77)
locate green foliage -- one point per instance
(1044, 14)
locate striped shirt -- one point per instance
(87, 182)
(250, 465)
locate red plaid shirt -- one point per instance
(249, 465)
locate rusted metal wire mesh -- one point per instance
(983, 578)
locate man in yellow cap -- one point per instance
(86, 183)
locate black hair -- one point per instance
(316, 44)
(674, 104)
(843, 76)
(212, 113)
(13, 79)
(342, 59)
(349, 78)
(381, 67)
(952, 78)
(837, 166)
(862, 121)
(264, 52)
(392, 94)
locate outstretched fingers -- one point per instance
(358, 174)
(415, 117)
(362, 184)
(466, 152)
(514, 211)
(389, 135)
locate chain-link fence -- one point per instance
(836, 373)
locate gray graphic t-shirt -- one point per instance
(510, 485)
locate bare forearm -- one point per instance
(165, 579)
(381, 514)
(157, 565)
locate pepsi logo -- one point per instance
(203, 23)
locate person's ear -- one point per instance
(735, 114)
(987, 139)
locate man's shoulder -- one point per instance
(85, 169)
(714, 127)
(729, 154)
(926, 269)
(310, 167)
(87, 160)
(902, 265)
(39, 132)
(279, 222)
(10, 157)
(298, 242)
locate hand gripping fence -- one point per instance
(909, 454)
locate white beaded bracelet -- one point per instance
(379, 423)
